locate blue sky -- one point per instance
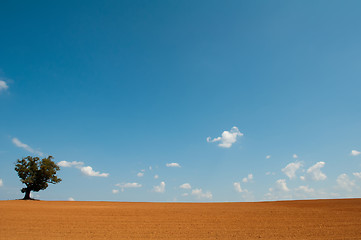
(183, 100)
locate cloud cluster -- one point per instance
(87, 170)
(3, 86)
(173, 165)
(357, 174)
(355, 153)
(69, 164)
(185, 186)
(344, 182)
(160, 188)
(198, 192)
(227, 138)
(19, 144)
(238, 188)
(123, 186)
(248, 178)
(291, 168)
(315, 172)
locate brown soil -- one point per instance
(316, 219)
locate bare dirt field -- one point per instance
(314, 219)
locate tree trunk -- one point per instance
(27, 194)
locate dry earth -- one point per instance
(315, 219)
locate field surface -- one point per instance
(314, 219)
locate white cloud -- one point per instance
(270, 173)
(160, 188)
(198, 192)
(294, 156)
(355, 153)
(227, 138)
(71, 199)
(248, 178)
(291, 168)
(88, 170)
(69, 164)
(19, 144)
(357, 174)
(268, 156)
(237, 187)
(3, 86)
(122, 186)
(156, 176)
(185, 186)
(173, 165)
(303, 178)
(115, 191)
(315, 172)
(281, 185)
(305, 189)
(185, 194)
(1, 182)
(140, 174)
(344, 182)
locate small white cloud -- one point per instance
(344, 182)
(248, 178)
(185, 186)
(268, 156)
(19, 144)
(1, 182)
(302, 178)
(305, 189)
(173, 165)
(281, 185)
(198, 192)
(357, 174)
(291, 168)
(355, 153)
(140, 174)
(69, 164)
(160, 188)
(294, 156)
(156, 176)
(270, 173)
(71, 199)
(185, 194)
(237, 187)
(88, 170)
(227, 138)
(3, 86)
(115, 191)
(316, 173)
(122, 186)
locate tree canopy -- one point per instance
(36, 174)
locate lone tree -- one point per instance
(36, 173)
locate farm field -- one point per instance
(310, 219)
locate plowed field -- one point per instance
(314, 219)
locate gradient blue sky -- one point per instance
(124, 88)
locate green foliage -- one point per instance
(36, 173)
